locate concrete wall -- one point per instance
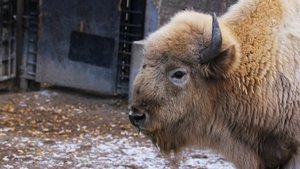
(158, 12)
(169, 7)
(135, 64)
(78, 42)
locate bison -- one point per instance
(230, 84)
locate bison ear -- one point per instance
(221, 56)
(221, 65)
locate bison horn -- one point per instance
(213, 49)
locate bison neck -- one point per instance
(260, 103)
(254, 24)
(255, 122)
(264, 88)
(269, 38)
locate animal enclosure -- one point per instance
(84, 45)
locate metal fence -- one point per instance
(131, 29)
(8, 39)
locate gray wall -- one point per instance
(160, 11)
(74, 41)
(169, 7)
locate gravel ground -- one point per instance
(64, 129)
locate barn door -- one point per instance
(87, 44)
(28, 62)
(77, 44)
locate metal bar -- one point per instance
(131, 34)
(32, 41)
(33, 22)
(124, 53)
(31, 73)
(32, 52)
(3, 78)
(124, 64)
(124, 76)
(131, 25)
(132, 12)
(31, 63)
(127, 42)
(7, 22)
(7, 58)
(33, 14)
(34, 30)
(5, 3)
(19, 38)
(123, 86)
(10, 56)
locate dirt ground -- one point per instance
(59, 129)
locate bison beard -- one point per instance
(230, 84)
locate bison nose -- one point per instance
(137, 119)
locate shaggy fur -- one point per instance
(245, 103)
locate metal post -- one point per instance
(23, 84)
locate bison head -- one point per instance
(177, 91)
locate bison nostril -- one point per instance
(137, 119)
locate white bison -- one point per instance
(230, 84)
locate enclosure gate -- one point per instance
(87, 44)
(18, 37)
(73, 43)
(31, 20)
(7, 39)
(131, 29)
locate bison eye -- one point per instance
(178, 76)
